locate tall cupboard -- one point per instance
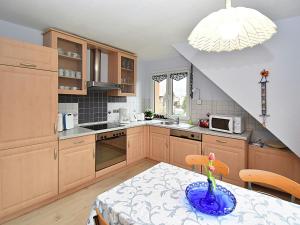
(28, 120)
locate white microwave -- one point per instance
(227, 124)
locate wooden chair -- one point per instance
(272, 179)
(99, 220)
(202, 160)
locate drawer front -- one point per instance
(135, 130)
(78, 141)
(21, 54)
(228, 142)
(159, 130)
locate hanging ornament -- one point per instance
(263, 82)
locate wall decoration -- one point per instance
(191, 81)
(263, 82)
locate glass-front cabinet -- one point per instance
(122, 70)
(71, 62)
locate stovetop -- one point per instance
(103, 126)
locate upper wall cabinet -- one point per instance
(71, 61)
(21, 54)
(122, 70)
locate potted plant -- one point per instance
(148, 114)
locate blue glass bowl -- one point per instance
(221, 203)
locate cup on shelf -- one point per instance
(72, 74)
(70, 54)
(61, 87)
(67, 73)
(61, 72)
(60, 51)
(75, 55)
(78, 74)
(67, 87)
(74, 88)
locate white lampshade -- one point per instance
(231, 29)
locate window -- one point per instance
(171, 94)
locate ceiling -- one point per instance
(146, 27)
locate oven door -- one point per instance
(221, 123)
(110, 151)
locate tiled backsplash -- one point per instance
(91, 107)
(94, 107)
(229, 108)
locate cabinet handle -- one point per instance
(94, 153)
(28, 65)
(55, 128)
(128, 145)
(78, 142)
(223, 142)
(55, 153)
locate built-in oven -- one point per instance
(110, 149)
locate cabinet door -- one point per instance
(135, 149)
(235, 158)
(180, 148)
(21, 54)
(69, 44)
(28, 175)
(28, 103)
(76, 166)
(159, 147)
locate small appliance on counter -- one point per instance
(140, 116)
(68, 121)
(203, 123)
(124, 118)
(60, 123)
(227, 124)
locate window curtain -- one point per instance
(178, 75)
(159, 77)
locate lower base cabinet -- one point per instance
(135, 144)
(180, 148)
(28, 175)
(76, 162)
(159, 144)
(233, 152)
(271, 159)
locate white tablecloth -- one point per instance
(157, 196)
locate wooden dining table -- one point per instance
(157, 197)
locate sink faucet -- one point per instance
(172, 117)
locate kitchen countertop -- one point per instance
(81, 131)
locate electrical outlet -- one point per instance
(199, 102)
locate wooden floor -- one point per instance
(74, 209)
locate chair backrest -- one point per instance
(202, 160)
(272, 179)
(100, 218)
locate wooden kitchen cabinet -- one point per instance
(233, 152)
(28, 176)
(122, 70)
(70, 45)
(76, 162)
(180, 148)
(159, 144)
(278, 161)
(21, 54)
(28, 106)
(135, 144)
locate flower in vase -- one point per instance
(211, 168)
(211, 156)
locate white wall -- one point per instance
(20, 33)
(237, 74)
(209, 91)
